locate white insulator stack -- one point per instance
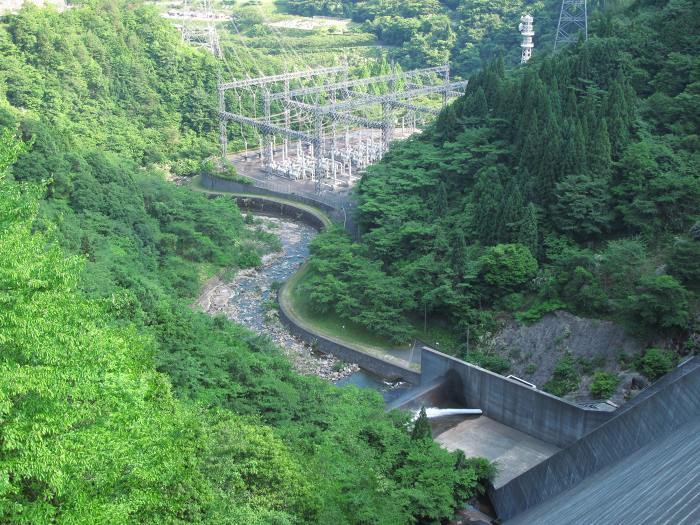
(528, 32)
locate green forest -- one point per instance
(119, 403)
(571, 183)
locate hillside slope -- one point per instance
(571, 183)
(119, 402)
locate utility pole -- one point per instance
(573, 19)
(223, 138)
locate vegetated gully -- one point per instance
(248, 299)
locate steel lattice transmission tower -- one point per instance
(573, 19)
(204, 36)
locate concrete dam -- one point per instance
(561, 463)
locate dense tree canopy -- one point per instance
(569, 183)
(432, 32)
(119, 402)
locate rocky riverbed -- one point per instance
(249, 299)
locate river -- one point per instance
(249, 300)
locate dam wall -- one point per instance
(511, 403)
(663, 408)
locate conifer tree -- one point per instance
(555, 97)
(488, 196)
(570, 104)
(589, 112)
(573, 146)
(598, 150)
(619, 116)
(421, 427)
(478, 106)
(525, 184)
(442, 205)
(527, 233)
(548, 169)
(512, 208)
(446, 125)
(459, 253)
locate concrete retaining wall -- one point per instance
(260, 204)
(340, 210)
(662, 411)
(529, 410)
(368, 362)
(263, 206)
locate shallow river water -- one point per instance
(249, 298)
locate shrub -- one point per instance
(585, 365)
(565, 378)
(660, 302)
(512, 302)
(604, 384)
(484, 469)
(507, 266)
(655, 363)
(185, 167)
(493, 362)
(531, 369)
(338, 366)
(538, 311)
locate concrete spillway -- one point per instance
(443, 412)
(434, 413)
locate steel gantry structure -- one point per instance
(204, 36)
(311, 116)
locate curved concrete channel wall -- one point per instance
(371, 363)
(263, 204)
(339, 209)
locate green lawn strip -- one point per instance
(331, 327)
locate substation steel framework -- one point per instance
(332, 111)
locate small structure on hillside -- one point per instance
(527, 31)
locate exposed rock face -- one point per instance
(12, 6)
(534, 350)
